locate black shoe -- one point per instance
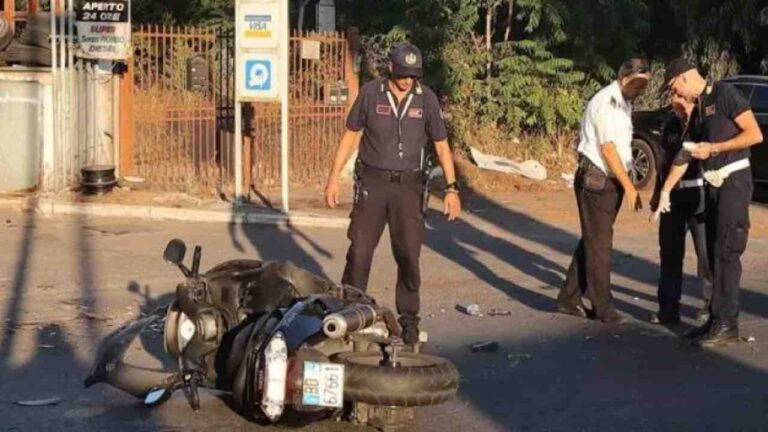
(699, 332)
(665, 318)
(703, 314)
(612, 317)
(410, 326)
(721, 333)
(577, 311)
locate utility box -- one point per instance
(198, 73)
(339, 94)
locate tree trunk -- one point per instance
(488, 35)
(510, 20)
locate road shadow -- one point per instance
(461, 237)
(278, 243)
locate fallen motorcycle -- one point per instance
(288, 346)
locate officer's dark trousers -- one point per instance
(687, 214)
(590, 270)
(383, 200)
(727, 235)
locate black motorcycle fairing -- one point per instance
(110, 367)
(278, 285)
(305, 319)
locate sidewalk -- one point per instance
(224, 212)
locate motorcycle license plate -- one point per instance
(323, 384)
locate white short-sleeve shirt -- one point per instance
(608, 118)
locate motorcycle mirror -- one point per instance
(175, 251)
(156, 396)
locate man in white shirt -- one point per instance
(602, 181)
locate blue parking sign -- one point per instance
(258, 75)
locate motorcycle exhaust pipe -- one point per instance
(350, 320)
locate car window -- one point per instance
(760, 99)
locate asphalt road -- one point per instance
(67, 282)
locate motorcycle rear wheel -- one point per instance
(417, 380)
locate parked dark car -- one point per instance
(648, 127)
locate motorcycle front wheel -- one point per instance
(415, 379)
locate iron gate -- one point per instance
(317, 65)
(176, 143)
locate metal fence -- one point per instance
(183, 138)
(176, 141)
(317, 62)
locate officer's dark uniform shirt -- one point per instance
(714, 122)
(675, 133)
(395, 135)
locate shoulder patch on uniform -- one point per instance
(614, 102)
(709, 110)
(384, 110)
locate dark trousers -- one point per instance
(687, 214)
(590, 270)
(386, 201)
(727, 236)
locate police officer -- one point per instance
(397, 118)
(725, 128)
(602, 181)
(682, 211)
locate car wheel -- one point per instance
(643, 170)
(6, 33)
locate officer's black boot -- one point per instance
(667, 314)
(410, 326)
(723, 332)
(699, 332)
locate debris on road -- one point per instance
(589, 338)
(530, 169)
(470, 309)
(751, 339)
(91, 317)
(485, 346)
(39, 402)
(46, 346)
(499, 312)
(518, 358)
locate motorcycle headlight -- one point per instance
(275, 361)
(186, 331)
(207, 326)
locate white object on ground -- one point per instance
(568, 178)
(530, 168)
(39, 402)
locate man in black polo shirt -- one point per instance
(680, 210)
(725, 128)
(397, 118)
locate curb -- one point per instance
(48, 207)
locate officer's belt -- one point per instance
(716, 178)
(393, 176)
(689, 184)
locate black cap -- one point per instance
(676, 67)
(406, 61)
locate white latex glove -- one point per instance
(665, 205)
(690, 145)
(715, 178)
